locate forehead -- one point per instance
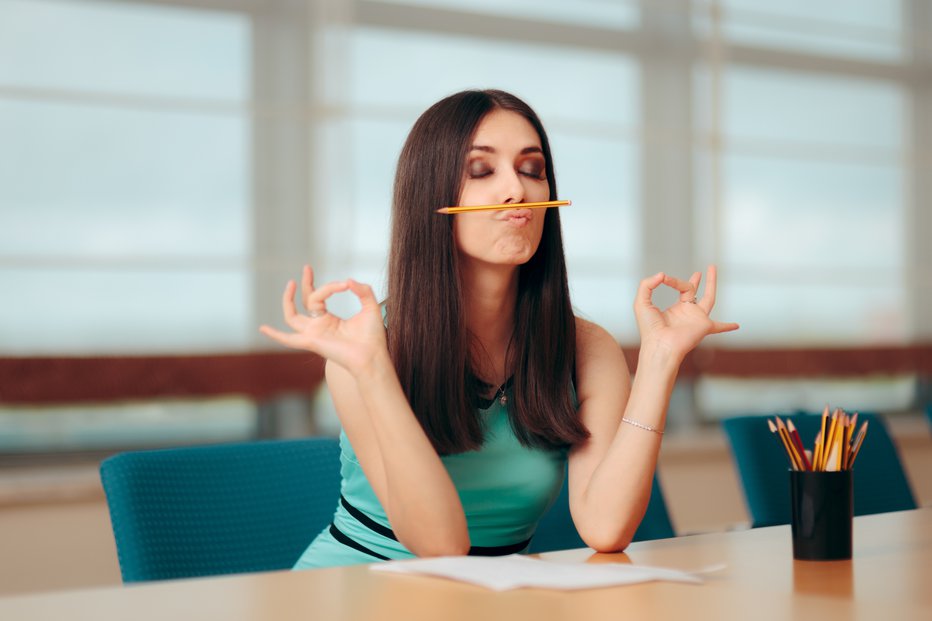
(500, 128)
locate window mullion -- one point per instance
(281, 155)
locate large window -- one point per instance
(166, 165)
(812, 207)
(124, 178)
(808, 195)
(125, 205)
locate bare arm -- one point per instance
(398, 459)
(611, 473)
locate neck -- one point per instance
(490, 293)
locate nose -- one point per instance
(512, 190)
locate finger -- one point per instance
(288, 307)
(270, 332)
(708, 296)
(721, 326)
(695, 279)
(285, 338)
(363, 292)
(307, 284)
(317, 300)
(685, 287)
(646, 289)
(293, 319)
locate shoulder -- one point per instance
(600, 362)
(592, 338)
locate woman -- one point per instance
(463, 402)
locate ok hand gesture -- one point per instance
(683, 325)
(352, 343)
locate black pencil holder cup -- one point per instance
(822, 505)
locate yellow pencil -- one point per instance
(784, 430)
(820, 441)
(840, 436)
(540, 205)
(829, 452)
(823, 454)
(786, 445)
(858, 441)
(790, 446)
(817, 452)
(849, 432)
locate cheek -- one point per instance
(539, 192)
(538, 231)
(465, 232)
(468, 194)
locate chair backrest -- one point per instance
(557, 532)
(929, 413)
(220, 509)
(880, 483)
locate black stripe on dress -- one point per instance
(347, 541)
(374, 526)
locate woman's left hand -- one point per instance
(683, 325)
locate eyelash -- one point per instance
(486, 172)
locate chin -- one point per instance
(514, 261)
(516, 254)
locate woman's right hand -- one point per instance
(353, 343)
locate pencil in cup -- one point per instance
(836, 444)
(499, 207)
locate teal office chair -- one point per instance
(880, 483)
(557, 532)
(929, 413)
(221, 509)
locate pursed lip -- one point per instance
(517, 214)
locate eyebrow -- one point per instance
(525, 150)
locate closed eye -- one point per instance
(479, 169)
(538, 173)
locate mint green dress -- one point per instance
(505, 489)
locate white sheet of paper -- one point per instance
(501, 573)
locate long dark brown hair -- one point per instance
(427, 335)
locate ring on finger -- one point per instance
(315, 314)
(692, 301)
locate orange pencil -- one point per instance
(538, 205)
(786, 445)
(788, 442)
(858, 441)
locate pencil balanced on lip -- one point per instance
(540, 205)
(836, 445)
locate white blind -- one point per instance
(153, 194)
(124, 177)
(166, 165)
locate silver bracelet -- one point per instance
(641, 425)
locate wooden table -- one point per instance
(889, 578)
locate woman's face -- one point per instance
(505, 164)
